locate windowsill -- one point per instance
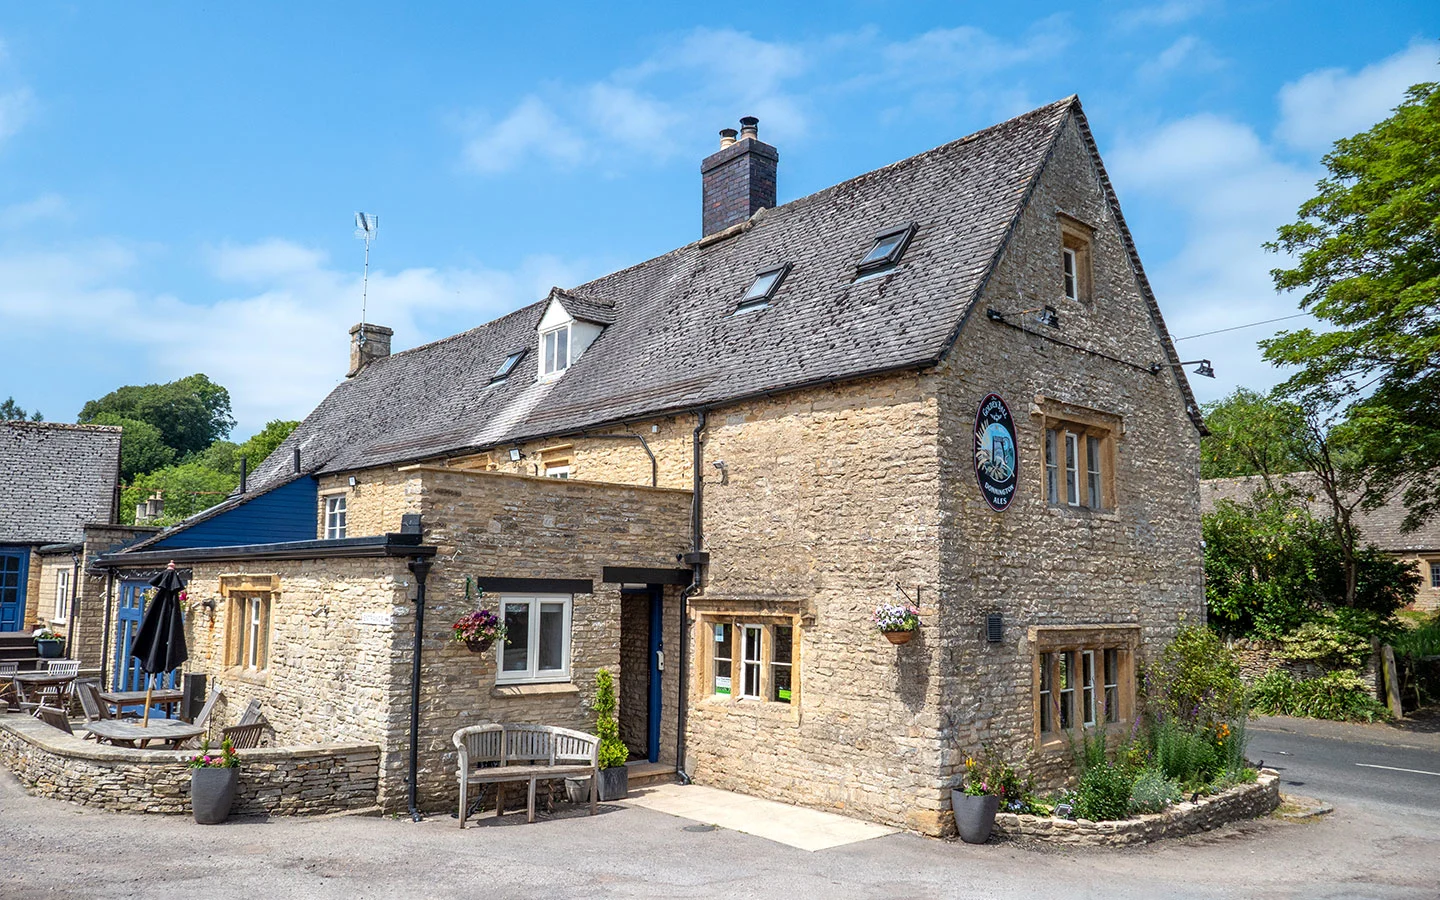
(751, 705)
(249, 676)
(1109, 513)
(1055, 741)
(533, 689)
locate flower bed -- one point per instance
(1244, 801)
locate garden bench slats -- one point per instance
(527, 753)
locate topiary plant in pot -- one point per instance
(614, 777)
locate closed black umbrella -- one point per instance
(160, 643)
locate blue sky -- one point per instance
(179, 179)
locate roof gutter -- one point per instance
(379, 545)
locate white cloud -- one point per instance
(45, 208)
(1329, 104)
(1162, 15)
(1188, 53)
(16, 107)
(532, 129)
(274, 331)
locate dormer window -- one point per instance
(764, 287)
(555, 350)
(889, 246)
(507, 366)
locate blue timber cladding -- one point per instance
(288, 513)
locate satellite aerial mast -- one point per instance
(366, 225)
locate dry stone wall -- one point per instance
(1137, 562)
(275, 781)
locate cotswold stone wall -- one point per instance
(487, 524)
(832, 499)
(1036, 564)
(1258, 658)
(374, 505)
(278, 781)
(1245, 801)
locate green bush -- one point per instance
(1419, 642)
(613, 751)
(1339, 696)
(1185, 753)
(1195, 680)
(1327, 643)
(1104, 793)
(1153, 791)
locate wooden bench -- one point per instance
(495, 754)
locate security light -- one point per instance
(516, 455)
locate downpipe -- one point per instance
(420, 566)
(696, 560)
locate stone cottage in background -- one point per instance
(945, 380)
(59, 491)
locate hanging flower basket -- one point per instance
(897, 621)
(898, 637)
(480, 646)
(478, 630)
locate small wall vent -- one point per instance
(994, 628)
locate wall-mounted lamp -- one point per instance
(1044, 315)
(354, 481)
(1202, 367)
(516, 454)
(321, 610)
(724, 470)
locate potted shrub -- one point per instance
(897, 621)
(479, 630)
(213, 780)
(990, 782)
(614, 777)
(48, 644)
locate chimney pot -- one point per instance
(368, 343)
(737, 180)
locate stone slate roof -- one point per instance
(1380, 526)
(54, 479)
(672, 344)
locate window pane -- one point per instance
(1069, 270)
(784, 636)
(515, 655)
(1087, 686)
(1072, 474)
(1092, 461)
(1435, 575)
(883, 248)
(1067, 689)
(562, 348)
(751, 669)
(552, 637)
(722, 659)
(762, 286)
(1112, 685)
(547, 353)
(1052, 468)
(1047, 661)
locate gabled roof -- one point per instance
(54, 479)
(671, 341)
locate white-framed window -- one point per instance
(334, 517)
(751, 640)
(1075, 274)
(555, 350)
(62, 595)
(248, 627)
(1076, 459)
(537, 642)
(1071, 273)
(557, 471)
(723, 657)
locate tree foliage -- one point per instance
(190, 413)
(1368, 251)
(1251, 434)
(263, 442)
(187, 489)
(142, 447)
(11, 411)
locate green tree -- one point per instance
(142, 448)
(10, 411)
(1368, 263)
(187, 489)
(261, 444)
(1251, 434)
(190, 413)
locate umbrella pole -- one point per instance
(149, 686)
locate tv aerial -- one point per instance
(366, 226)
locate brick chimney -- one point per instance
(367, 344)
(738, 179)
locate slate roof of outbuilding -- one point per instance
(1381, 526)
(672, 343)
(54, 479)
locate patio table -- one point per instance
(166, 697)
(129, 734)
(32, 682)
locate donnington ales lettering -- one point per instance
(995, 465)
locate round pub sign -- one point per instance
(995, 464)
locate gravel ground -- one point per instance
(54, 849)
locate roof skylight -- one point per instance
(889, 246)
(508, 365)
(764, 287)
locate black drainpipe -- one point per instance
(421, 567)
(697, 558)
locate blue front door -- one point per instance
(657, 670)
(128, 676)
(14, 570)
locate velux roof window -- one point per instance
(888, 248)
(507, 366)
(764, 287)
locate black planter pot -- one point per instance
(974, 816)
(50, 648)
(212, 792)
(614, 783)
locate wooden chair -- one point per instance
(56, 717)
(24, 699)
(69, 667)
(94, 708)
(242, 737)
(7, 676)
(203, 720)
(251, 715)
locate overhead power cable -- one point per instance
(1238, 327)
